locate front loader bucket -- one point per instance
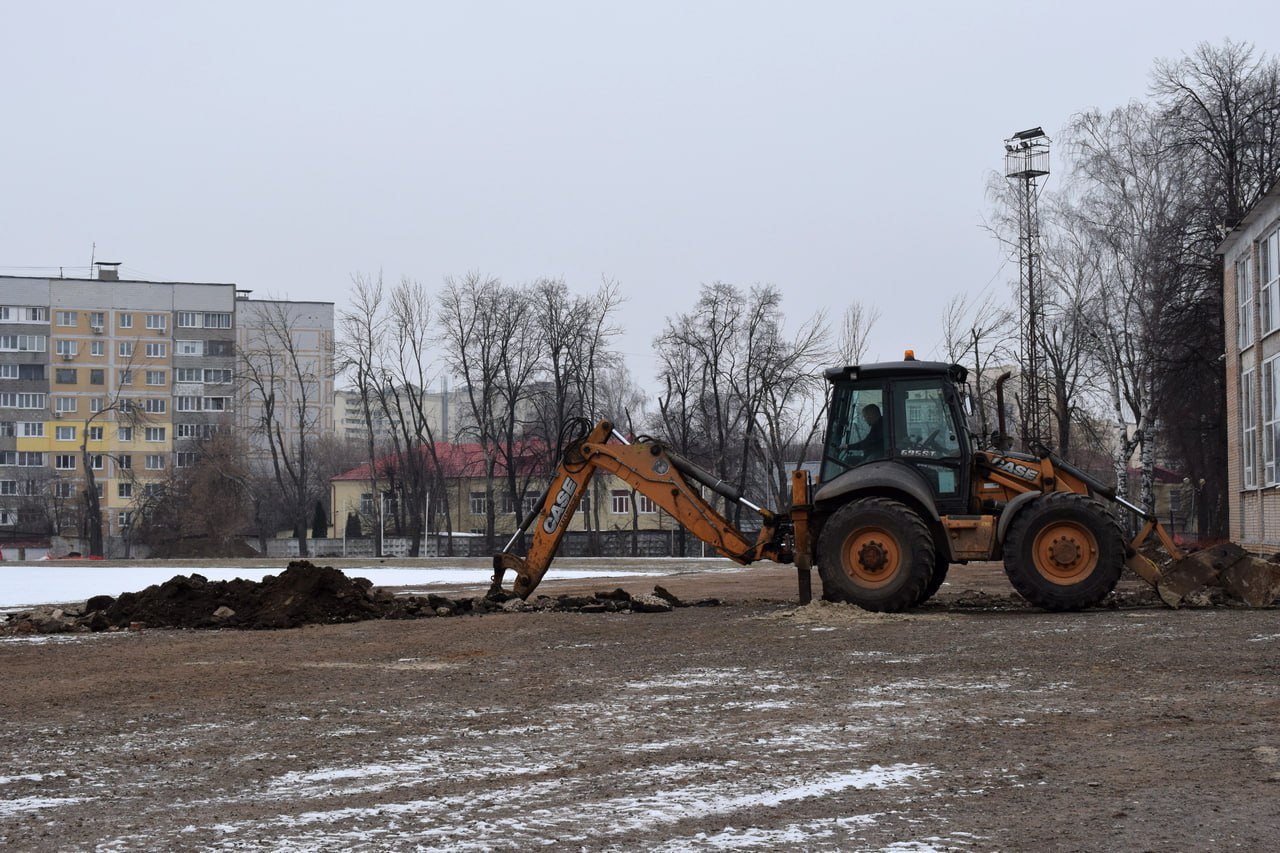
(1241, 577)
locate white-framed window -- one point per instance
(1269, 278)
(10, 400)
(95, 404)
(646, 505)
(217, 320)
(123, 518)
(125, 321)
(1244, 300)
(619, 501)
(64, 433)
(125, 349)
(126, 377)
(155, 406)
(97, 347)
(8, 517)
(66, 318)
(23, 343)
(184, 459)
(157, 321)
(96, 460)
(31, 429)
(64, 404)
(217, 376)
(8, 371)
(155, 433)
(478, 503)
(97, 319)
(124, 490)
(67, 348)
(186, 374)
(23, 314)
(187, 348)
(217, 404)
(95, 433)
(124, 433)
(22, 458)
(1248, 430)
(155, 377)
(157, 350)
(186, 404)
(155, 462)
(1270, 418)
(64, 461)
(63, 489)
(124, 462)
(7, 429)
(189, 319)
(8, 487)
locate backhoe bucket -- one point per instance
(1229, 567)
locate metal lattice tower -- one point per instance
(1026, 158)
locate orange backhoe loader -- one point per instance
(903, 493)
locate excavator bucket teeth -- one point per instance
(1229, 567)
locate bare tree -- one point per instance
(979, 334)
(855, 331)
(282, 380)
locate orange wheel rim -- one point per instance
(1065, 552)
(871, 556)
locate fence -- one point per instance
(611, 543)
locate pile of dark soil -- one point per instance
(303, 594)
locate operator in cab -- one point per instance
(871, 446)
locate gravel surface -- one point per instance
(977, 724)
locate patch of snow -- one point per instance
(793, 835)
(9, 808)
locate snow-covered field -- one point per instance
(28, 585)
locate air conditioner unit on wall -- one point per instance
(57, 414)
(68, 356)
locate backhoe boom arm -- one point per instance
(661, 476)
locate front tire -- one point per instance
(1064, 552)
(876, 553)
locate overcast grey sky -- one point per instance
(836, 151)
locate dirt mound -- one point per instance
(303, 594)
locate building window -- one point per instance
(124, 490)
(157, 350)
(95, 433)
(66, 318)
(7, 429)
(620, 502)
(184, 459)
(1269, 277)
(8, 517)
(64, 404)
(157, 321)
(646, 505)
(126, 377)
(64, 461)
(8, 371)
(216, 404)
(187, 404)
(124, 462)
(9, 400)
(1248, 430)
(66, 349)
(123, 518)
(215, 376)
(97, 320)
(95, 404)
(219, 348)
(22, 343)
(1244, 300)
(155, 377)
(125, 349)
(478, 503)
(65, 376)
(186, 374)
(217, 320)
(187, 348)
(1270, 418)
(64, 433)
(155, 406)
(97, 376)
(31, 429)
(124, 433)
(188, 320)
(63, 489)
(97, 348)
(155, 461)
(155, 433)
(126, 321)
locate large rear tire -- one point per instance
(1064, 552)
(876, 553)
(940, 566)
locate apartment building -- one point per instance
(133, 372)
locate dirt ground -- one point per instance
(978, 724)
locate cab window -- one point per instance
(858, 430)
(925, 428)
